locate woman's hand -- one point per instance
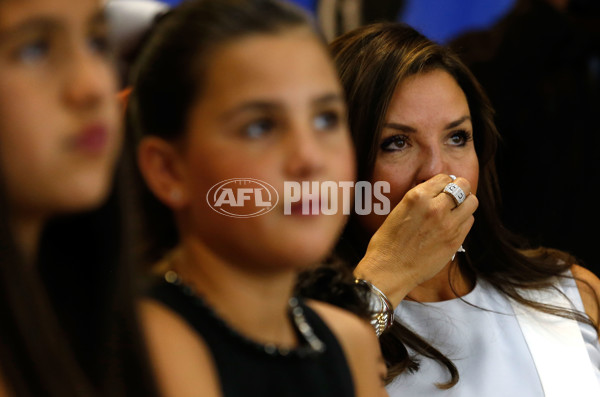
(418, 238)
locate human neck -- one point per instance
(253, 303)
(27, 231)
(449, 283)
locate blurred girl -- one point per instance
(67, 326)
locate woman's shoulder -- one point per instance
(588, 285)
(182, 362)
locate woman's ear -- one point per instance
(160, 165)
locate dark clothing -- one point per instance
(247, 370)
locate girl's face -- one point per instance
(271, 109)
(427, 131)
(59, 120)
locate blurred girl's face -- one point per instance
(427, 131)
(271, 109)
(59, 121)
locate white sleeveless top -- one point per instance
(488, 347)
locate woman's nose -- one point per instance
(431, 163)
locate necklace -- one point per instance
(312, 344)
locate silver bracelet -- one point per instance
(382, 311)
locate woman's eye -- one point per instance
(326, 121)
(460, 138)
(33, 52)
(259, 128)
(394, 143)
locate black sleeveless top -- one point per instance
(249, 369)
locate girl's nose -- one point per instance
(305, 156)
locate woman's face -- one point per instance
(427, 131)
(59, 121)
(271, 109)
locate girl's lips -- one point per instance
(297, 208)
(92, 139)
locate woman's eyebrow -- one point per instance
(458, 122)
(406, 128)
(399, 127)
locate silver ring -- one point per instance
(457, 194)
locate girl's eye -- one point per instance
(259, 128)
(460, 138)
(99, 44)
(394, 143)
(33, 51)
(327, 121)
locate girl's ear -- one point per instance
(160, 165)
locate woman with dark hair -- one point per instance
(67, 319)
(509, 319)
(228, 91)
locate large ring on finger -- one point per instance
(457, 194)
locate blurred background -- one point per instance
(539, 61)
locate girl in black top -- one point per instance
(242, 95)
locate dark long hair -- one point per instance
(68, 322)
(168, 76)
(372, 61)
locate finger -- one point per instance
(468, 206)
(436, 184)
(455, 193)
(433, 186)
(462, 232)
